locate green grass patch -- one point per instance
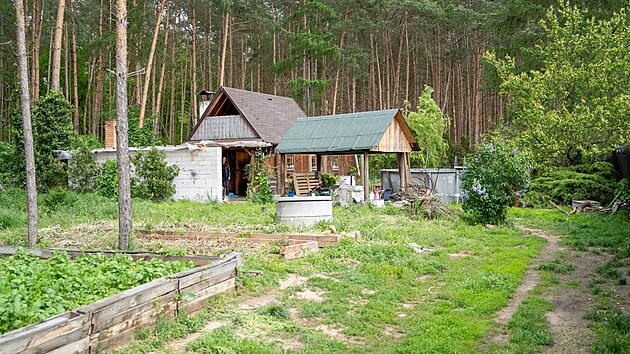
(529, 327)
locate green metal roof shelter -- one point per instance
(364, 133)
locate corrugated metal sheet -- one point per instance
(344, 132)
(224, 128)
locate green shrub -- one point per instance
(108, 180)
(496, 174)
(52, 131)
(259, 190)
(83, 169)
(329, 180)
(564, 184)
(154, 176)
(259, 173)
(57, 197)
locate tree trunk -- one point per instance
(75, 71)
(56, 61)
(334, 100)
(145, 90)
(37, 35)
(122, 128)
(223, 51)
(25, 98)
(98, 90)
(156, 119)
(193, 78)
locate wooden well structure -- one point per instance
(362, 133)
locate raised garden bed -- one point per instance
(112, 322)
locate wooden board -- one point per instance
(112, 322)
(46, 335)
(299, 250)
(199, 301)
(160, 304)
(322, 240)
(135, 255)
(113, 305)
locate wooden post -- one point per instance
(283, 176)
(365, 178)
(402, 162)
(319, 166)
(278, 173)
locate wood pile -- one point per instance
(423, 199)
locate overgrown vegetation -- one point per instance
(154, 177)
(34, 289)
(259, 174)
(497, 174)
(562, 185)
(575, 108)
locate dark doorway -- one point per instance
(237, 160)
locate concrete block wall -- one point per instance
(199, 177)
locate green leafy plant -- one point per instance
(83, 169)
(34, 289)
(576, 106)
(57, 197)
(496, 174)
(564, 184)
(52, 131)
(329, 180)
(259, 174)
(155, 176)
(108, 180)
(259, 190)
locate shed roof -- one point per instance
(361, 131)
(270, 116)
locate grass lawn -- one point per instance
(372, 295)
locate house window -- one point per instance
(313, 159)
(290, 166)
(335, 164)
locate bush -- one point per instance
(52, 130)
(564, 184)
(495, 175)
(259, 173)
(83, 170)
(154, 176)
(57, 197)
(329, 180)
(259, 191)
(108, 180)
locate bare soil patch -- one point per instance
(570, 303)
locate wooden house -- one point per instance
(242, 121)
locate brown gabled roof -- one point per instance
(269, 115)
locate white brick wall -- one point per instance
(199, 171)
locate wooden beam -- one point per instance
(365, 178)
(319, 166)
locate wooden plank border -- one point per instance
(323, 240)
(112, 322)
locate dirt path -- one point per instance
(247, 303)
(570, 303)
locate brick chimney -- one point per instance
(110, 133)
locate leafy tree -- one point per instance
(83, 169)
(496, 173)
(52, 131)
(155, 177)
(577, 105)
(428, 125)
